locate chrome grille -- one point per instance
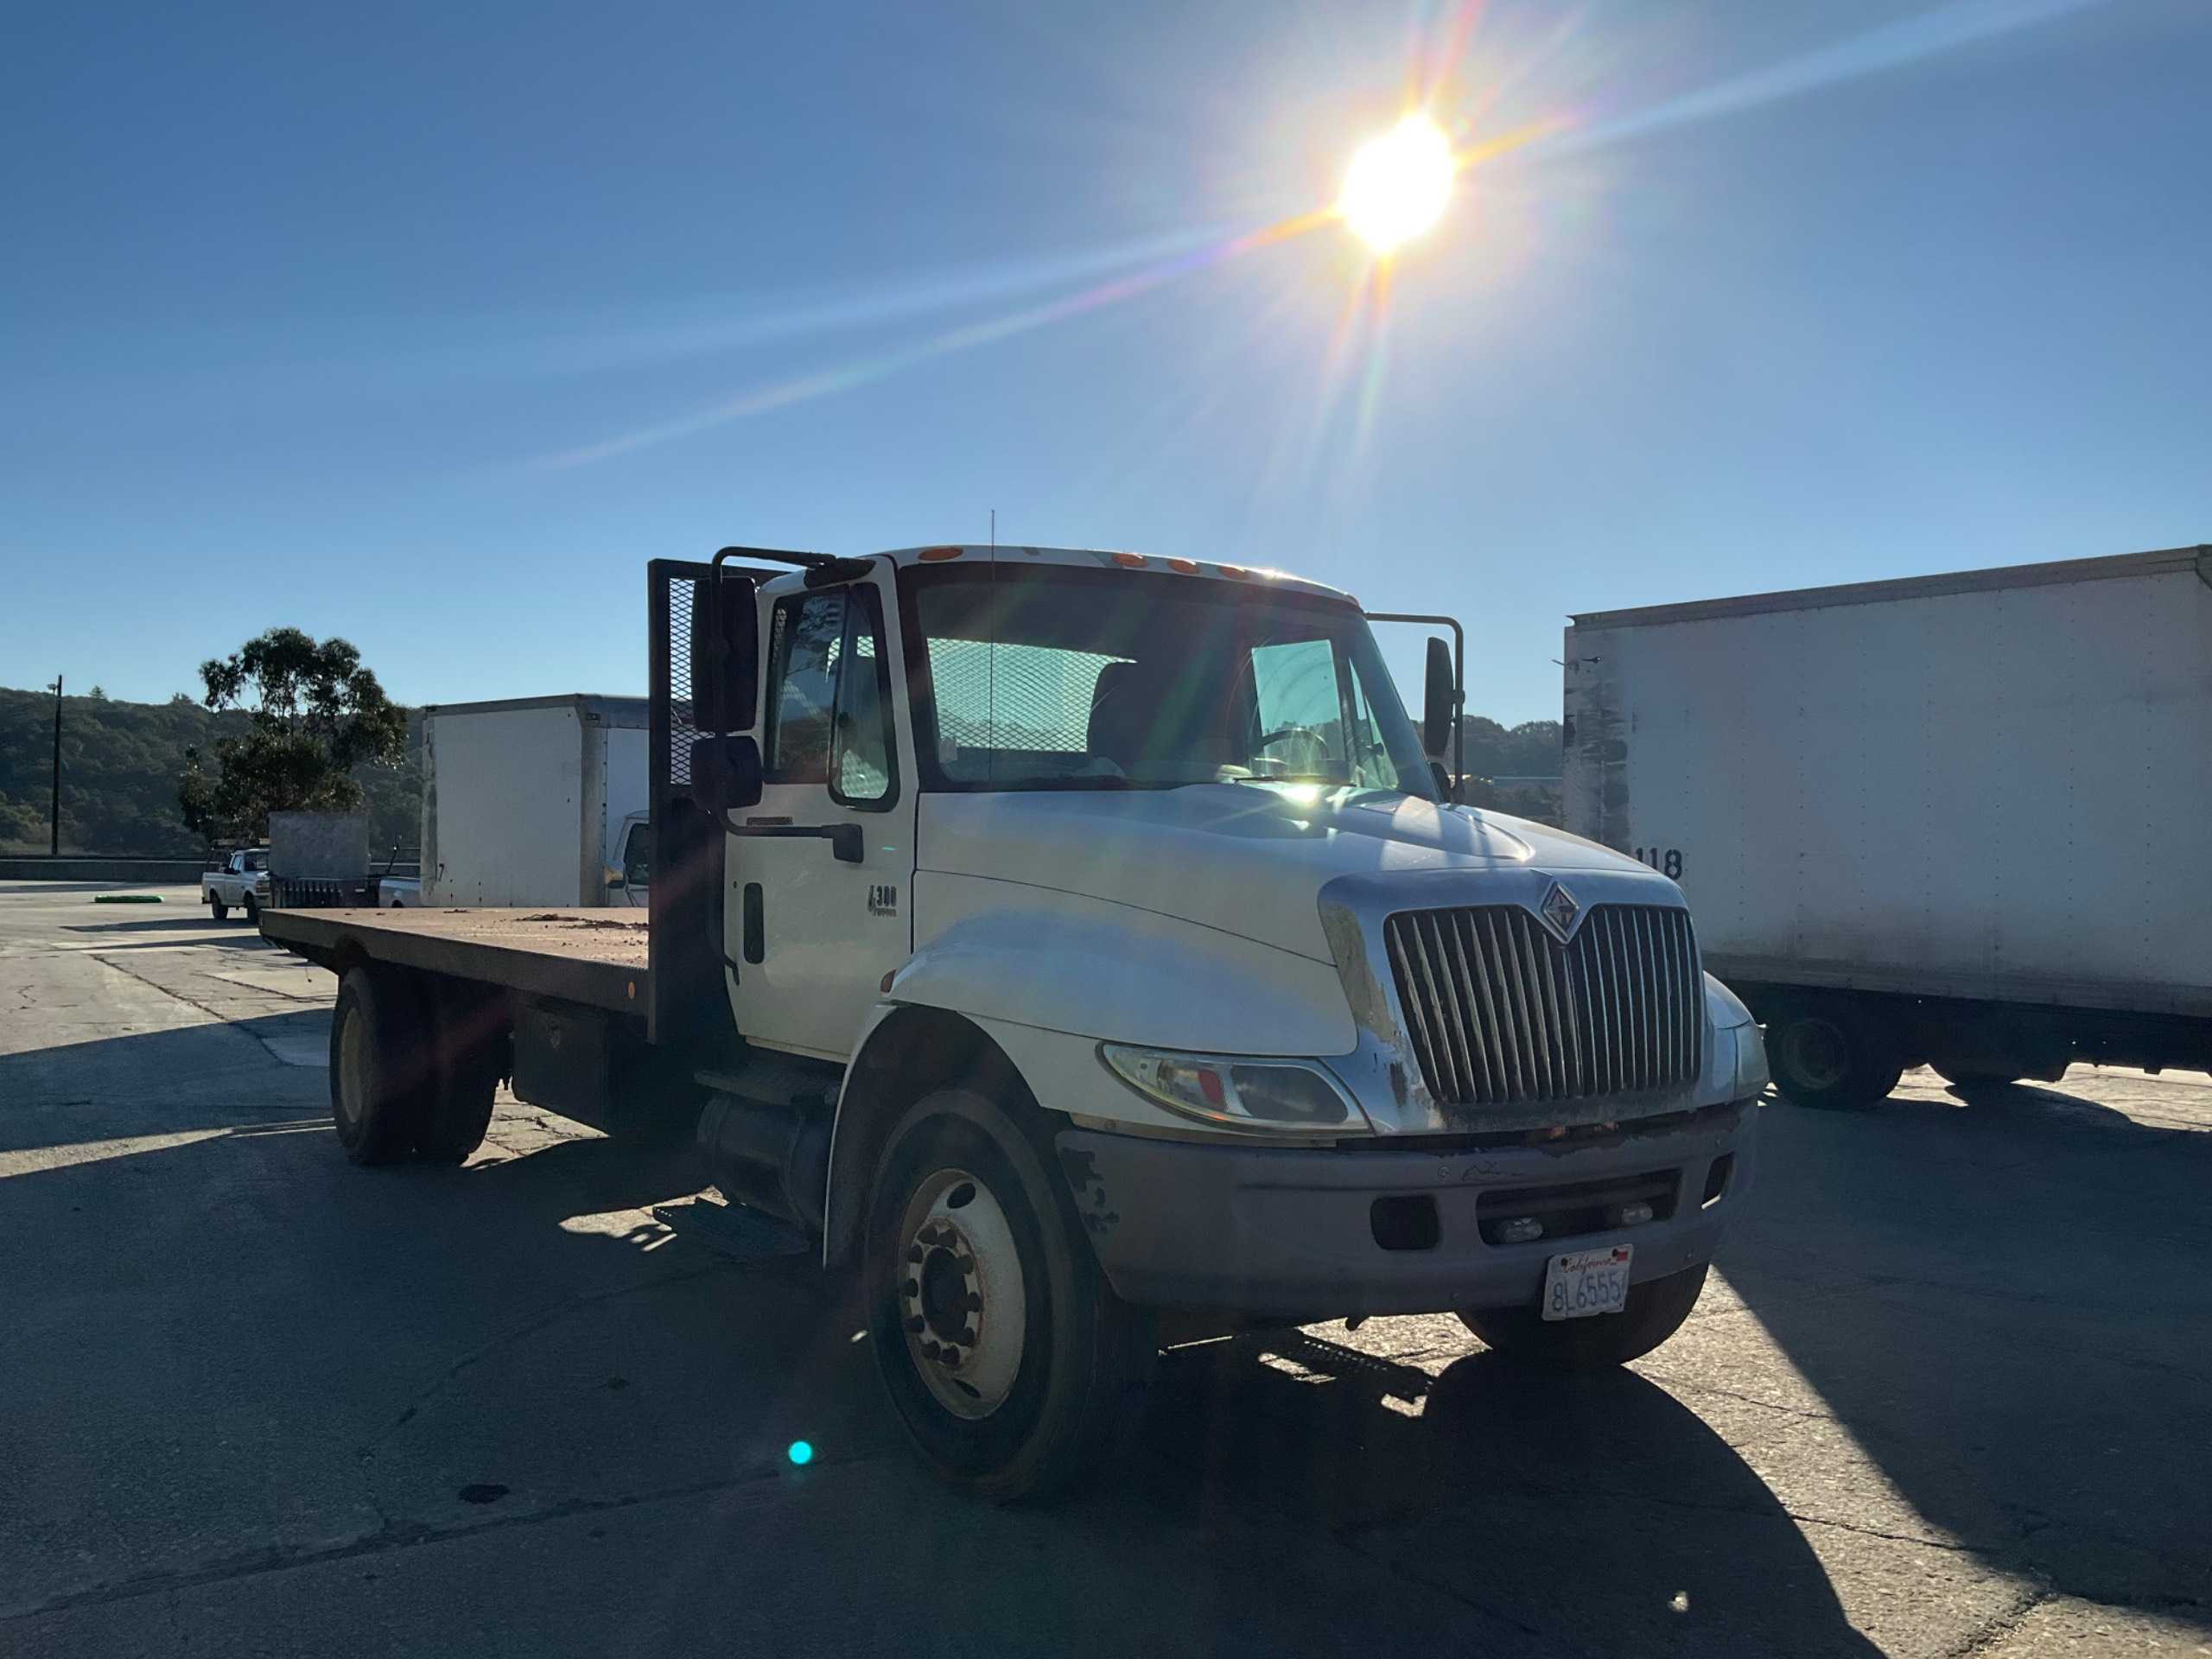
(1499, 1011)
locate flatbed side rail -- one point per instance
(567, 956)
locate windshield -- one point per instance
(1049, 678)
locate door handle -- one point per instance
(844, 839)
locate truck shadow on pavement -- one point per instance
(1597, 1508)
(420, 1354)
(424, 1351)
(207, 1076)
(2004, 1306)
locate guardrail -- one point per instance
(81, 867)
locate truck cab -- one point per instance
(1156, 975)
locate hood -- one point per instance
(1249, 860)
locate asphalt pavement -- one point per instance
(1951, 1393)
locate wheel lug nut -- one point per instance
(969, 1336)
(950, 1359)
(914, 1255)
(931, 1350)
(965, 1263)
(910, 1287)
(917, 1325)
(975, 1303)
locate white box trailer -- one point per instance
(1961, 820)
(536, 801)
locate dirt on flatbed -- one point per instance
(582, 936)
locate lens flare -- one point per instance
(1398, 183)
(801, 1452)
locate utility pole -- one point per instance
(54, 846)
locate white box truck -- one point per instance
(1957, 820)
(536, 801)
(1075, 944)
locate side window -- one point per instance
(638, 856)
(829, 696)
(862, 740)
(804, 639)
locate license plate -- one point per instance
(1586, 1282)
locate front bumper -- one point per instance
(1293, 1233)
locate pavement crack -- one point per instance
(1993, 1631)
(553, 1315)
(225, 1021)
(1803, 1414)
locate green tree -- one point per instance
(315, 713)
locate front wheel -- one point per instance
(252, 911)
(1656, 1310)
(1007, 1356)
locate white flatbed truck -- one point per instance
(1071, 943)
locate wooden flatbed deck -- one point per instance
(592, 956)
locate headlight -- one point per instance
(1751, 1077)
(1279, 1094)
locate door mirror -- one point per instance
(1439, 700)
(726, 774)
(725, 655)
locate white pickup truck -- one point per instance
(1076, 945)
(240, 882)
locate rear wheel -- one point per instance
(469, 1036)
(1007, 1356)
(1830, 1058)
(217, 908)
(1656, 1310)
(382, 1076)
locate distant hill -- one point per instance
(120, 762)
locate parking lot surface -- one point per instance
(1951, 1393)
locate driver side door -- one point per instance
(810, 935)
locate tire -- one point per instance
(975, 1249)
(1656, 1310)
(252, 911)
(382, 1074)
(1829, 1059)
(469, 1038)
(218, 909)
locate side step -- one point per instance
(732, 1230)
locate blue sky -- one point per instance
(429, 326)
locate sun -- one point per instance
(1398, 183)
